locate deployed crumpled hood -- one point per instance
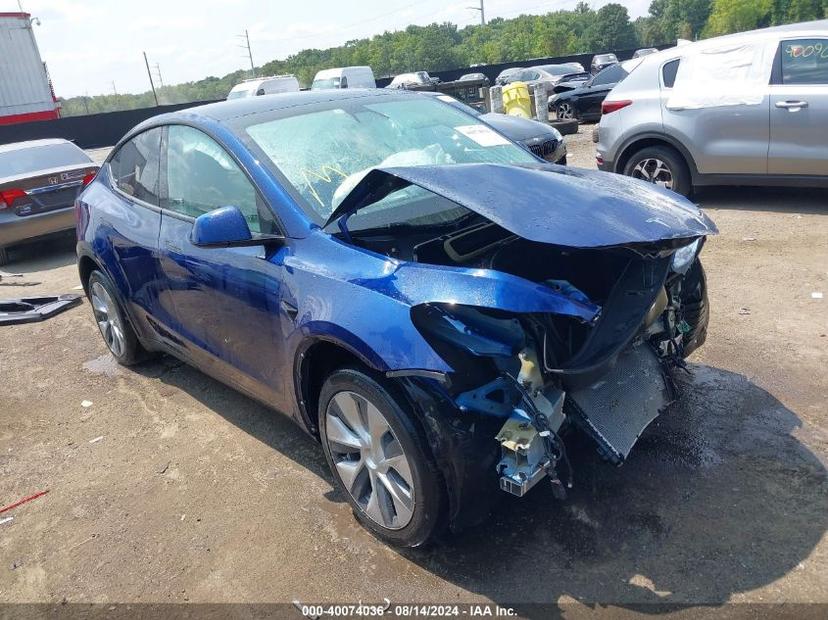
(547, 203)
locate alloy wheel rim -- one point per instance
(108, 320)
(370, 460)
(655, 171)
(565, 111)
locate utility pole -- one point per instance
(482, 12)
(157, 68)
(152, 84)
(246, 38)
(114, 90)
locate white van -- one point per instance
(265, 86)
(344, 77)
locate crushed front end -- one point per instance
(570, 312)
(541, 374)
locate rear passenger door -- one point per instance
(727, 139)
(799, 108)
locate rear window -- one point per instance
(33, 159)
(610, 75)
(668, 73)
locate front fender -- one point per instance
(364, 299)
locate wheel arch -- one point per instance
(655, 139)
(86, 265)
(315, 359)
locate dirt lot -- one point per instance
(195, 493)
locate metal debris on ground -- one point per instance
(6, 520)
(816, 295)
(33, 309)
(96, 440)
(86, 404)
(744, 311)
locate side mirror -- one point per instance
(224, 228)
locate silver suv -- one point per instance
(745, 109)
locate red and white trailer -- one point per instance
(25, 90)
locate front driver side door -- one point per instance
(226, 299)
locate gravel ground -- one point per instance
(170, 487)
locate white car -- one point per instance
(265, 86)
(344, 77)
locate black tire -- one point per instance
(4, 256)
(695, 307)
(565, 128)
(673, 161)
(132, 352)
(565, 111)
(428, 497)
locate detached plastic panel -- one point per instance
(34, 309)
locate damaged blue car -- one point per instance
(436, 305)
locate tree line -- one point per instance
(445, 46)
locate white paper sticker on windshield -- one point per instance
(483, 135)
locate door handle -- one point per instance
(793, 106)
(173, 248)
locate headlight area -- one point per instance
(684, 257)
(497, 374)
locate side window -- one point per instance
(343, 83)
(668, 73)
(136, 166)
(804, 61)
(201, 176)
(260, 92)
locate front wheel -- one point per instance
(4, 256)
(695, 307)
(116, 330)
(660, 165)
(379, 459)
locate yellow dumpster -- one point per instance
(516, 100)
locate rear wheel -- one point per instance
(565, 111)
(116, 330)
(660, 165)
(4, 256)
(379, 459)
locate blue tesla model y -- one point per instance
(439, 307)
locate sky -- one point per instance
(95, 46)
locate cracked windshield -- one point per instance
(326, 154)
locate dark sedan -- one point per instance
(39, 181)
(542, 139)
(584, 103)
